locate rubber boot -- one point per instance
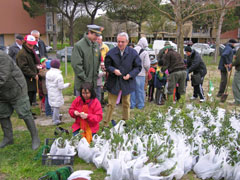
(169, 101)
(7, 132)
(33, 131)
(160, 98)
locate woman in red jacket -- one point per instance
(87, 111)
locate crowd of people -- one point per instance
(125, 72)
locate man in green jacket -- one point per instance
(13, 96)
(236, 78)
(86, 58)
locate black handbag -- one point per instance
(196, 79)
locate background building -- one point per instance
(15, 20)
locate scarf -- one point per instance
(87, 132)
(37, 60)
(160, 74)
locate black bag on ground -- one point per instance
(196, 79)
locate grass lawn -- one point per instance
(17, 160)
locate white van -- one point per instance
(203, 49)
(159, 44)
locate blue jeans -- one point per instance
(55, 116)
(98, 93)
(138, 96)
(48, 110)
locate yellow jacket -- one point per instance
(104, 49)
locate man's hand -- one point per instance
(166, 51)
(103, 67)
(36, 77)
(126, 77)
(117, 72)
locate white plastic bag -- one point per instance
(80, 174)
(236, 172)
(99, 156)
(115, 169)
(139, 165)
(53, 148)
(84, 151)
(206, 167)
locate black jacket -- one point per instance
(195, 64)
(41, 50)
(226, 57)
(129, 63)
(13, 50)
(173, 62)
(26, 61)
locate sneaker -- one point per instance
(193, 98)
(35, 104)
(60, 117)
(58, 123)
(234, 103)
(202, 100)
(113, 122)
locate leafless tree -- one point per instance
(224, 5)
(183, 12)
(92, 6)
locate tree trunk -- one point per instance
(180, 37)
(71, 32)
(155, 36)
(218, 36)
(179, 22)
(54, 31)
(92, 19)
(139, 30)
(62, 31)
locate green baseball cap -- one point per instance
(43, 59)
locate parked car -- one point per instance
(114, 44)
(237, 46)
(110, 44)
(49, 48)
(4, 48)
(151, 52)
(61, 54)
(159, 44)
(203, 49)
(221, 48)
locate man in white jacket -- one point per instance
(138, 96)
(55, 85)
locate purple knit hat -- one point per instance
(55, 64)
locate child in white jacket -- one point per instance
(55, 85)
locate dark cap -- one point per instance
(167, 43)
(55, 63)
(95, 28)
(167, 47)
(188, 49)
(20, 37)
(232, 41)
